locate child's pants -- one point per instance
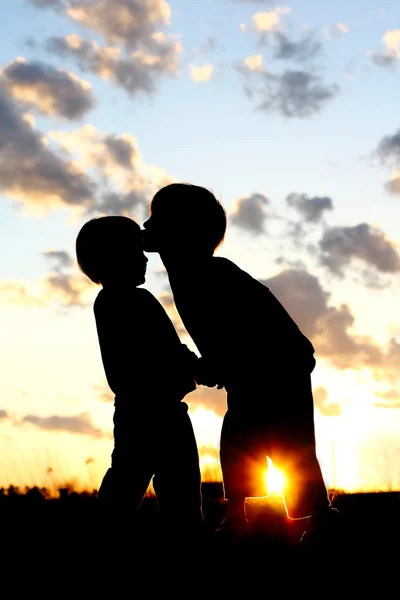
(276, 421)
(163, 446)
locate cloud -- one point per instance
(311, 209)
(121, 21)
(254, 63)
(393, 186)
(330, 328)
(103, 393)
(391, 398)
(391, 54)
(47, 3)
(200, 74)
(66, 289)
(383, 60)
(249, 213)
(336, 30)
(292, 94)
(50, 91)
(61, 258)
(128, 182)
(389, 148)
(305, 49)
(3, 415)
(30, 171)
(61, 289)
(267, 21)
(341, 245)
(135, 72)
(77, 424)
(327, 409)
(167, 301)
(127, 22)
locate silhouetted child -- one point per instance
(150, 371)
(254, 347)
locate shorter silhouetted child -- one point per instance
(253, 346)
(150, 371)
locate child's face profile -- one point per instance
(138, 264)
(152, 234)
(131, 261)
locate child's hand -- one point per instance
(206, 375)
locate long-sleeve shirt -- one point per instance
(238, 324)
(145, 363)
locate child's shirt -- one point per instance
(146, 365)
(239, 325)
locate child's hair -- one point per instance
(196, 208)
(100, 242)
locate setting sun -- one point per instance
(274, 478)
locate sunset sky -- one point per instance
(290, 114)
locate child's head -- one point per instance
(185, 218)
(110, 249)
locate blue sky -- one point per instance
(211, 133)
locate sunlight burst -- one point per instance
(274, 478)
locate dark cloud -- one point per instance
(61, 259)
(293, 94)
(3, 415)
(119, 203)
(135, 73)
(47, 3)
(68, 288)
(48, 90)
(329, 327)
(341, 245)
(327, 409)
(303, 296)
(389, 148)
(383, 60)
(249, 213)
(302, 50)
(120, 150)
(30, 171)
(78, 424)
(311, 209)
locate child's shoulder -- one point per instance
(224, 267)
(107, 299)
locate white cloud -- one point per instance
(200, 74)
(254, 63)
(265, 21)
(391, 54)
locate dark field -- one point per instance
(65, 542)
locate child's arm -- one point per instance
(206, 374)
(120, 345)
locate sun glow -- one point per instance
(274, 478)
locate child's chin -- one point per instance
(150, 248)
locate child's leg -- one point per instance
(243, 466)
(177, 478)
(293, 450)
(125, 483)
